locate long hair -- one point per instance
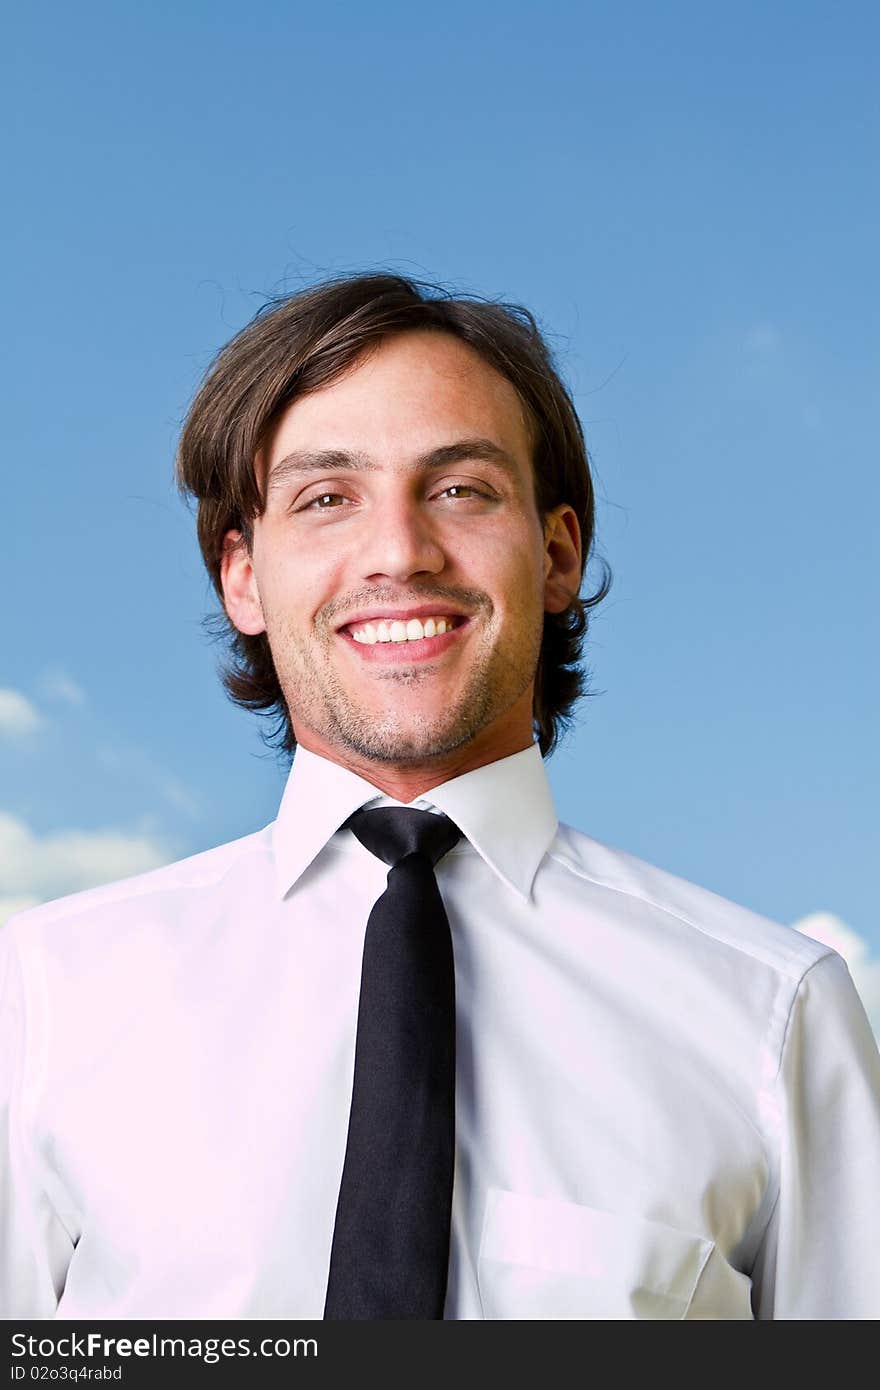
(307, 340)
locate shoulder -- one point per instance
(661, 897)
(156, 892)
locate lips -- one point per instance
(420, 649)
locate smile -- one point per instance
(397, 641)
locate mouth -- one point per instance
(407, 649)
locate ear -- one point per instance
(562, 558)
(241, 597)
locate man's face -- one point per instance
(406, 484)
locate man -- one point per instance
(232, 1088)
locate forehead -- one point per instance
(405, 395)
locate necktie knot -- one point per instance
(393, 832)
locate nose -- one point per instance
(401, 541)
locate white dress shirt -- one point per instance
(666, 1105)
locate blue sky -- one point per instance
(686, 195)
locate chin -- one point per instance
(407, 742)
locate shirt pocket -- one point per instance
(544, 1259)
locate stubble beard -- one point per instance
(317, 696)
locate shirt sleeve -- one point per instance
(820, 1255)
(35, 1249)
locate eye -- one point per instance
(321, 497)
(465, 487)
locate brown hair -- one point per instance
(304, 341)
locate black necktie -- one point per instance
(390, 1251)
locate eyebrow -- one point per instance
(304, 461)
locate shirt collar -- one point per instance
(505, 809)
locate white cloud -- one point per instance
(863, 966)
(133, 762)
(58, 685)
(179, 795)
(37, 868)
(17, 714)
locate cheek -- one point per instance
(296, 588)
(519, 570)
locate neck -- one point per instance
(407, 781)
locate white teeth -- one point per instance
(394, 630)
